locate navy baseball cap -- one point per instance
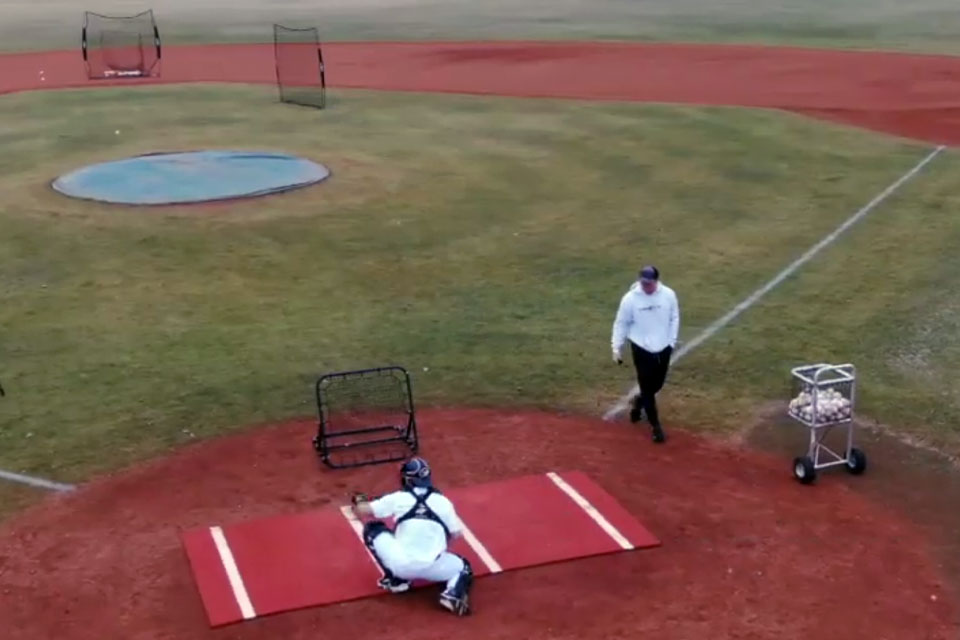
(649, 274)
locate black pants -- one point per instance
(651, 373)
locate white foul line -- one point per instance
(591, 511)
(40, 483)
(752, 299)
(233, 573)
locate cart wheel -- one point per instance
(803, 470)
(857, 462)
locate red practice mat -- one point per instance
(281, 563)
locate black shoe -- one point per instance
(636, 412)
(394, 585)
(458, 606)
(658, 435)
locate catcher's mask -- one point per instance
(415, 472)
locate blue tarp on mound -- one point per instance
(194, 176)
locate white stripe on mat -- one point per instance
(591, 511)
(233, 574)
(358, 529)
(481, 550)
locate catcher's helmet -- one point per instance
(415, 472)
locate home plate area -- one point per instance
(269, 565)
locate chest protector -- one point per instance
(422, 511)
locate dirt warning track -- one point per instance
(916, 96)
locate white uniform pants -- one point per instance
(446, 568)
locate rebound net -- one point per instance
(301, 78)
(121, 46)
(366, 417)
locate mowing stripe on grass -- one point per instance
(624, 402)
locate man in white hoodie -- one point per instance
(649, 317)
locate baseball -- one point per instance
(117, 132)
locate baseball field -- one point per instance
(499, 172)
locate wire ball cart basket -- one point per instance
(823, 399)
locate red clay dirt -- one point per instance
(916, 96)
(747, 552)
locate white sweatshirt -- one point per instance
(652, 322)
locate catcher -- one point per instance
(416, 549)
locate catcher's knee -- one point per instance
(373, 529)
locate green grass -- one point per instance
(15, 497)
(485, 239)
(920, 25)
(885, 298)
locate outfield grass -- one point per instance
(885, 298)
(919, 25)
(485, 239)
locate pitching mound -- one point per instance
(747, 552)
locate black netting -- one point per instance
(121, 46)
(366, 416)
(299, 60)
(374, 398)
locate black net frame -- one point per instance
(301, 74)
(366, 417)
(121, 46)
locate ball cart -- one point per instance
(823, 400)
